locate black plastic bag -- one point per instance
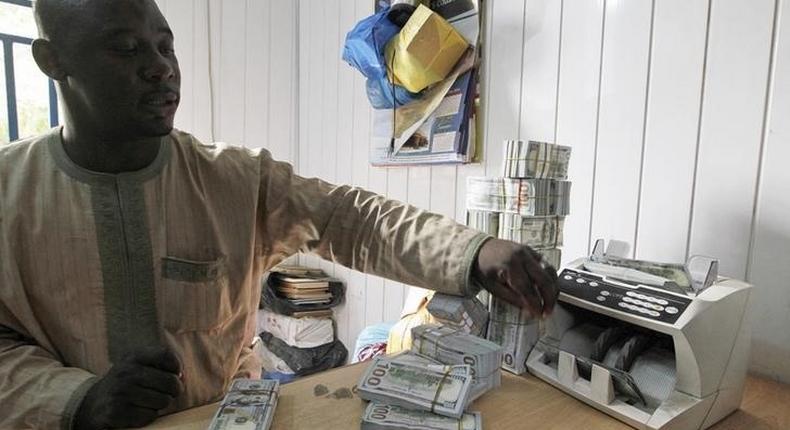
(306, 361)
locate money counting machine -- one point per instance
(656, 346)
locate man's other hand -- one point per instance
(516, 274)
(132, 392)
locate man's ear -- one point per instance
(46, 56)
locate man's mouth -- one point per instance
(161, 99)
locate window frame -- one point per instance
(8, 41)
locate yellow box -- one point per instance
(424, 52)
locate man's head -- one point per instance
(114, 63)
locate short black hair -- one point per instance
(54, 17)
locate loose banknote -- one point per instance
(622, 382)
(381, 416)
(249, 405)
(441, 389)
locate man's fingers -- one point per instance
(543, 282)
(160, 358)
(148, 399)
(551, 291)
(519, 283)
(159, 380)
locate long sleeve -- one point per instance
(363, 231)
(36, 390)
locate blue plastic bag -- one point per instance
(380, 94)
(364, 48)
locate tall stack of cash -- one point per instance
(515, 330)
(539, 232)
(401, 381)
(552, 256)
(525, 197)
(535, 160)
(469, 315)
(530, 203)
(249, 404)
(381, 416)
(485, 221)
(451, 346)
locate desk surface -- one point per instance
(518, 402)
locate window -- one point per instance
(31, 105)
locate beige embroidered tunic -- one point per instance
(93, 266)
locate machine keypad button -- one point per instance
(604, 292)
(653, 313)
(662, 302)
(623, 305)
(671, 310)
(593, 284)
(580, 280)
(600, 298)
(568, 277)
(632, 294)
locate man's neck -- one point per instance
(109, 156)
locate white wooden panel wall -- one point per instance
(677, 112)
(238, 63)
(768, 266)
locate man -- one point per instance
(130, 253)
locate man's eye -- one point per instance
(124, 50)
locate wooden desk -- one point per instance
(521, 403)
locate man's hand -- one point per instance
(132, 392)
(516, 274)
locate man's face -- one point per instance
(123, 76)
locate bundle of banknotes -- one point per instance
(526, 197)
(515, 330)
(381, 416)
(485, 221)
(535, 160)
(418, 383)
(552, 256)
(469, 315)
(537, 232)
(249, 404)
(451, 346)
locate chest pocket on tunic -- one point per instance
(195, 295)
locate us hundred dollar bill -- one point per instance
(381, 416)
(444, 390)
(249, 405)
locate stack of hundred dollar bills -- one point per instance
(418, 383)
(527, 205)
(516, 331)
(249, 404)
(381, 416)
(535, 160)
(520, 196)
(451, 346)
(431, 386)
(469, 315)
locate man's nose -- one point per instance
(159, 68)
